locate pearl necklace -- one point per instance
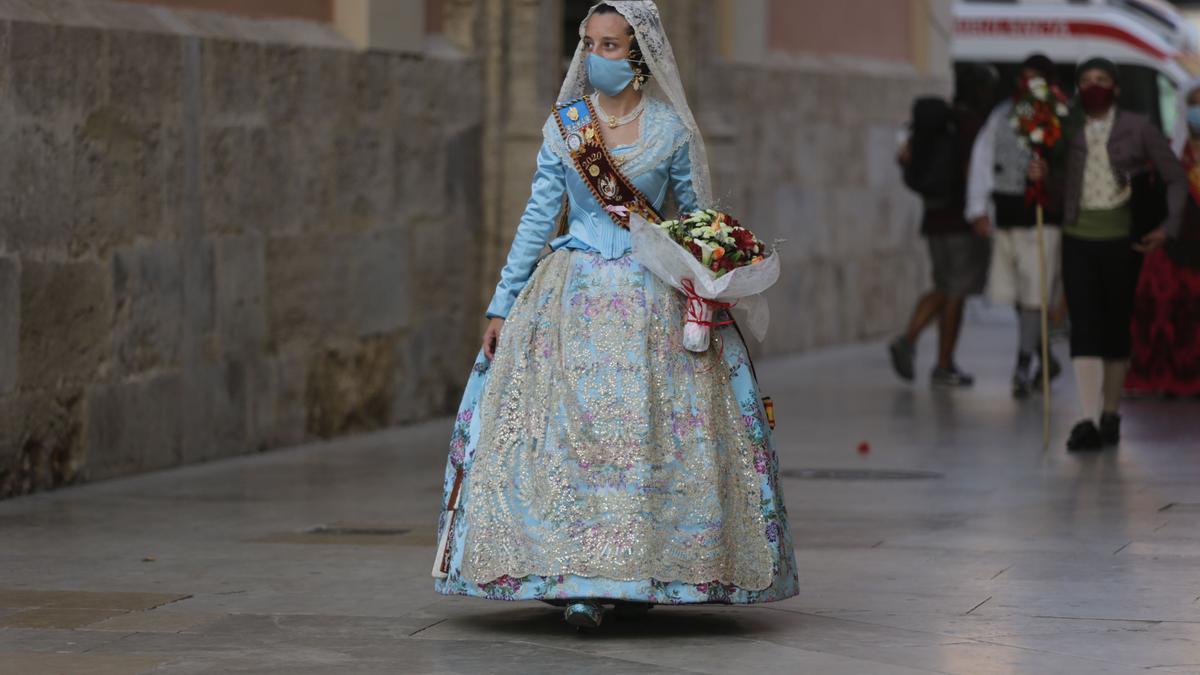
(612, 121)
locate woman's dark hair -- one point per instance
(635, 52)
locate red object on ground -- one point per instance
(864, 448)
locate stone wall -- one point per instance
(801, 148)
(211, 247)
(807, 155)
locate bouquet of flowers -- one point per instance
(715, 262)
(1037, 117)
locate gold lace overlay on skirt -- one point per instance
(605, 448)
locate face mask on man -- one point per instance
(1096, 99)
(610, 76)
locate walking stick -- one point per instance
(1043, 283)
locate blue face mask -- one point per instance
(608, 75)
(1193, 118)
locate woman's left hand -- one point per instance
(1151, 241)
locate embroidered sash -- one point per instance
(580, 128)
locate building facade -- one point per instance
(234, 226)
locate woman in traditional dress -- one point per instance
(596, 462)
(1166, 309)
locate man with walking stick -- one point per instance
(1000, 204)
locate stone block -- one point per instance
(215, 400)
(309, 286)
(249, 184)
(373, 87)
(799, 214)
(5, 66)
(381, 293)
(432, 365)
(306, 86)
(350, 386)
(362, 180)
(326, 285)
(39, 204)
(420, 175)
(10, 322)
(284, 93)
(277, 411)
(233, 80)
(56, 70)
(148, 301)
(119, 173)
(41, 441)
(879, 147)
(239, 278)
(465, 174)
(145, 76)
(65, 323)
(134, 426)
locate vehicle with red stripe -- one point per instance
(1156, 48)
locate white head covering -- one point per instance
(643, 16)
(1179, 135)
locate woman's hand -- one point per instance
(491, 337)
(1038, 170)
(1151, 241)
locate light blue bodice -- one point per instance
(658, 161)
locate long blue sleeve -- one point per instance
(537, 224)
(681, 180)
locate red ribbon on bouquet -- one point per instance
(696, 307)
(1035, 192)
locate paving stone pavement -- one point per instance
(315, 559)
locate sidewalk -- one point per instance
(997, 559)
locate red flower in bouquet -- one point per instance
(1037, 118)
(717, 240)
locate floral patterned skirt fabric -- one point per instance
(603, 460)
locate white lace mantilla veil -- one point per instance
(647, 25)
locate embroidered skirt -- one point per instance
(600, 459)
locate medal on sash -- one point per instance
(580, 129)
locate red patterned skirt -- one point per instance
(1166, 329)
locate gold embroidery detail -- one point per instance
(573, 114)
(613, 453)
(593, 171)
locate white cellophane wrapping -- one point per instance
(655, 250)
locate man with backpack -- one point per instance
(997, 206)
(935, 165)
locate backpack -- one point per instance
(933, 167)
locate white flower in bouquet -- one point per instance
(715, 262)
(1037, 136)
(1039, 88)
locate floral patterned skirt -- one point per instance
(1166, 328)
(600, 459)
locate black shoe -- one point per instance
(1110, 428)
(950, 377)
(1055, 371)
(1085, 437)
(903, 355)
(1021, 385)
